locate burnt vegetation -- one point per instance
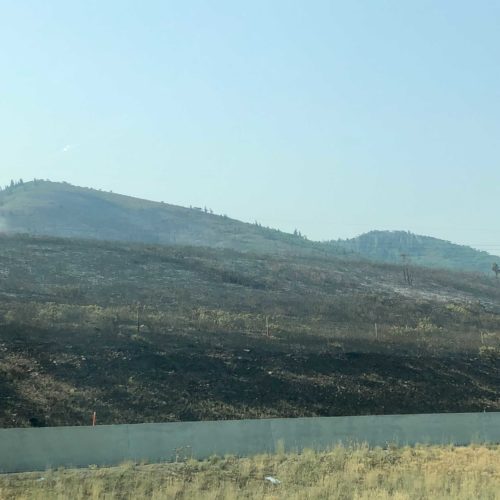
(142, 333)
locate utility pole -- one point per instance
(496, 269)
(138, 318)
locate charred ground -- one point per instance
(346, 337)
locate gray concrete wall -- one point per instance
(39, 449)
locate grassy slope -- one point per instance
(59, 209)
(69, 342)
(422, 472)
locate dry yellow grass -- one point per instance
(423, 472)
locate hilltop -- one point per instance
(397, 247)
(60, 209)
(142, 332)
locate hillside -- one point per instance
(159, 333)
(396, 246)
(60, 209)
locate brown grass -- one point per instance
(471, 472)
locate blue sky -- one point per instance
(331, 117)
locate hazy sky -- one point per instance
(334, 117)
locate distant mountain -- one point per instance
(399, 246)
(60, 209)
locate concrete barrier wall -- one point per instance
(39, 449)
